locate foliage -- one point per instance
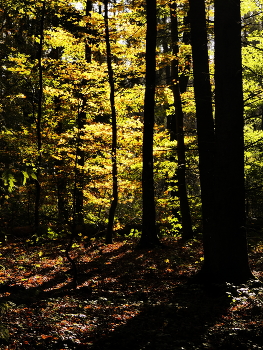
(252, 63)
(67, 79)
(124, 295)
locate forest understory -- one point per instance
(133, 116)
(127, 298)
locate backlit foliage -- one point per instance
(69, 79)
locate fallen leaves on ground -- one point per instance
(127, 298)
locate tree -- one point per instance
(114, 201)
(81, 121)
(39, 115)
(178, 131)
(149, 235)
(76, 116)
(204, 116)
(227, 246)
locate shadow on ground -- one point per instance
(165, 312)
(180, 324)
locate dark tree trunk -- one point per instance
(185, 70)
(167, 69)
(89, 30)
(114, 201)
(79, 168)
(62, 205)
(81, 121)
(39, 117)
(63, 215)
(229, 246)
(78, 196)
(204, 116)
(149, 234)
(178, 133)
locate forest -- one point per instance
(131, 188)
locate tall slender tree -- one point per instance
(39, 115)
(178, 131)
(81, 121)
(114, 201)
(204, 116)
(149, 234)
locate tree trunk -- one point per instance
(229, 246)
(149, 234)
(39, 117)
(178, 133)
(114, 201)
(79, 168)
(204, 116)
(78, 197)
(185, 71)
(63, 215)
(81, 121)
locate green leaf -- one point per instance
(9, 180)
(25, 177)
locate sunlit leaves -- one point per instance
(9, 180)
(250, 6)
(72, 85)
(19, 64)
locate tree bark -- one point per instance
(78, 197)
(114, 201)
(79, 172)
(205, 122)
(39, 116)
(185, 71)
(229, 246)
(81, 121)
(178, 133)
(149, 234)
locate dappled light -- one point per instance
(126, 298)
(131, 187)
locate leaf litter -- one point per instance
(126, 298)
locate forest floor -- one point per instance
(127, 298)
